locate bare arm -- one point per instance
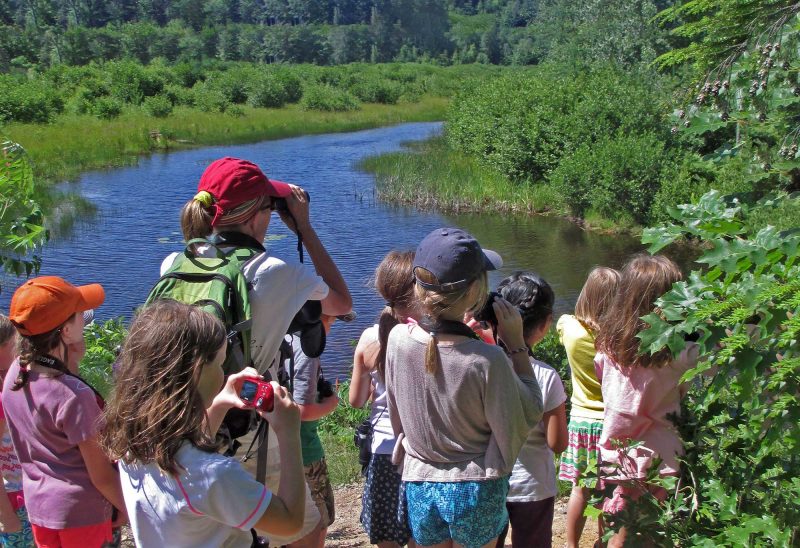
(363, 363)
(338, 300)
(555, 427)
(102, 473)
(9, 522)
(284, 515)
(227, 399)
(315, 411)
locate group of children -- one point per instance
(465, 422)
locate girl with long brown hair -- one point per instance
(640, 391)
(461, 408)
(394, 282)
(161, 424)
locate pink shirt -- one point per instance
(47, 420)
(637, 402)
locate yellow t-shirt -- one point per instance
(587, 399)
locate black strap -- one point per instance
(51, 362)
(447, 327)
(236, 239)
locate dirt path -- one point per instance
(346, 531)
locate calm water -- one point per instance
(137, 225)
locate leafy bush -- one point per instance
(209, 99)
(158, 106)
(616, 176)
(28, 101)
(107, 108)
(178, 95)
(102, 343)
(22, 222)
(265, 91)
(328, 98)
(132, 82)
(375, 90)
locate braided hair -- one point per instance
(532, 295)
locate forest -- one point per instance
(37, 33)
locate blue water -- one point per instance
(137, 225)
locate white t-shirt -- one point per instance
(214, 502)
(279, 290)
(383, 439)
(534, 474)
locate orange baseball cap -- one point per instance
(43, 304)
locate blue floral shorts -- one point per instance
(470, 512)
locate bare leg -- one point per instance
(445, 544)
(490, 544)
(575, 519)
(618, 540)
(390, 544)
(315, 539)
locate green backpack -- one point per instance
(218, 286)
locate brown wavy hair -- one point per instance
(394, 281)
(596, 296)
(643, 280)
(155, 406)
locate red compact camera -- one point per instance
(258, 393)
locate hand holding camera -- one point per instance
(509, 324)
(273, 402)
(294, 210)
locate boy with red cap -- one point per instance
(233, 208)
(53, 417)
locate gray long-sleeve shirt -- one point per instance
(466, 422)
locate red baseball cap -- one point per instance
(42, 304)
(232, 181)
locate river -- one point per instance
(137, 225)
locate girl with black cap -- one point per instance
(461, 408)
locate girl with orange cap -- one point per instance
(53, 416)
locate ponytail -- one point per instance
(196, 220)
(386, 323)
(30, 348)
(432, 358)
(394, 281)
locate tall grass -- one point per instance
(74, 144)
(431, 175)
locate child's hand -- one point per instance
(229, 395)
(509, 324)
(298, 207)
(285, 414)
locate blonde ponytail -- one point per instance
(434, 304)
(196, 220)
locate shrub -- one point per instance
(265, 91)
(132, 82)
(158, 106)
(178, 95)
(374, 90)
(209, 99)
(107, 108)
(615, 177)
(24, 101)
(328, 98)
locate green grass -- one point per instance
(73, 144)
(431, 175)
(336, 433)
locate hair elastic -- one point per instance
(205, 198)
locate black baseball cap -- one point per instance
(454, 257)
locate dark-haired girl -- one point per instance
(532, 487)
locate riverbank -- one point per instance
(430, 175)
(74, 144)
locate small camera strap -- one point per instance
(446, 327)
